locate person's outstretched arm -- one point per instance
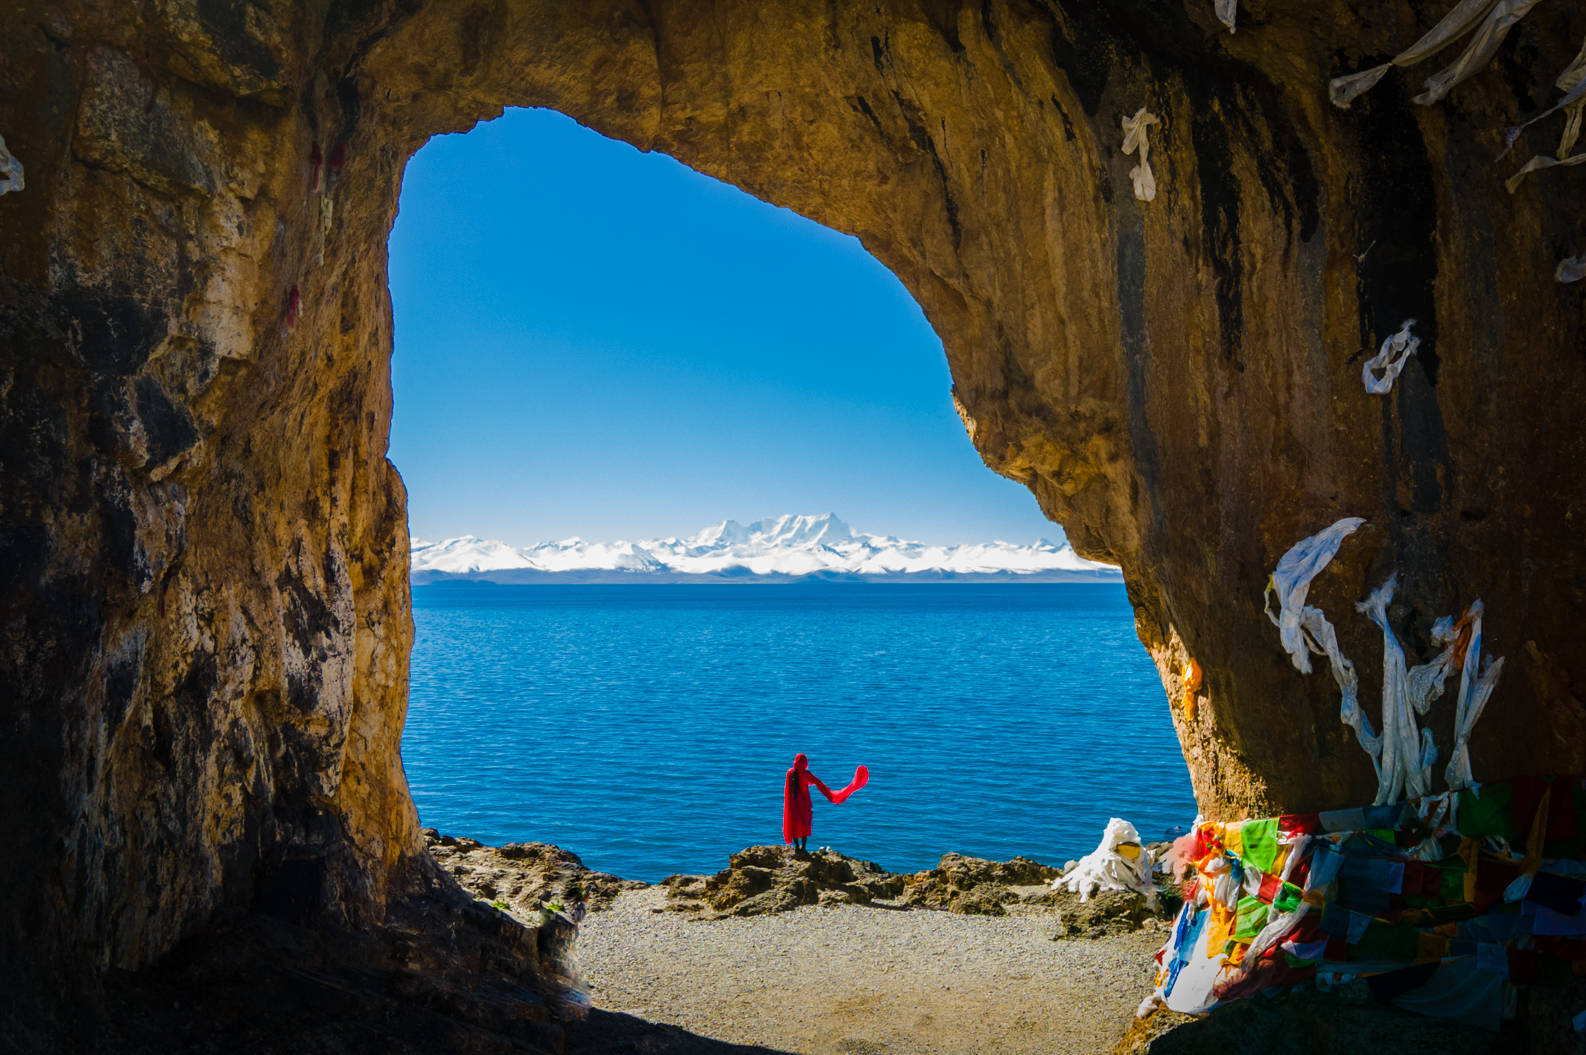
(861, 778)
(813, 779)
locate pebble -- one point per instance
(853, 978)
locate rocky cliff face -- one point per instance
(203, 551)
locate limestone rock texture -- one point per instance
(203, 550)
(525, 876)
(760, 880)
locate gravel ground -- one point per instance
(852, 980)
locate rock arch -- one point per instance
(203, 549)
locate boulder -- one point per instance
(524, 876)
(766, 879)
(975, 886)
(1108, 913)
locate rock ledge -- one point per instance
(761, 880)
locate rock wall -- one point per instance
(203, 550)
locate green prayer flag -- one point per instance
(1251, 916)
(1386, 941)
(1260, 839)
(1487, 812)
(1288, 898)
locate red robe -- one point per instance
(796, 812)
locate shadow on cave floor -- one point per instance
(447, 973)
(610, 1031)
(270, 1009)
(264, 988)
(442, 973)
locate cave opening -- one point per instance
(594, 341)
(210, 610)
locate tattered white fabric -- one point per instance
(1572, 82)
(1317, 628)
(10, 170)
(1438, 814)
(1192, 992)
(1458, 772)
(1304, 629)
(1407, 751)
(1106, 868)
(1574, 100)
(1399, 762)
(1571, 269)
(1227, 886)
(1291, 581)
(1134, 137)
(1278, 924)
(1572, 123)
(1483, 45)
(1227, 12)
(1475, 689)
(1537, 164)
(1382, 369)
(1425, 683)
(1403, 753)
(1455, 24)
(1495, 18)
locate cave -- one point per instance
(203, 550)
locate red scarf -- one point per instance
(796, 812)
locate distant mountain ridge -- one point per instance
(776, 549)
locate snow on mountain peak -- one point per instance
(728, 531)
(789, 545)
(792, 530)
(465, 554)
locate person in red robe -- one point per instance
(796, 812)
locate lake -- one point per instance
(647, 728)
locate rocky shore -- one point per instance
(821, 952)
(832, 955)
(520, 878)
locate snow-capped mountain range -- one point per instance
(775, 549)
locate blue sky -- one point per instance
(595, 341)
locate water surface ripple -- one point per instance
(647, 728)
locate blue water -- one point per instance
(647, 728)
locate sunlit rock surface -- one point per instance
(525, 876)
(203, 552)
